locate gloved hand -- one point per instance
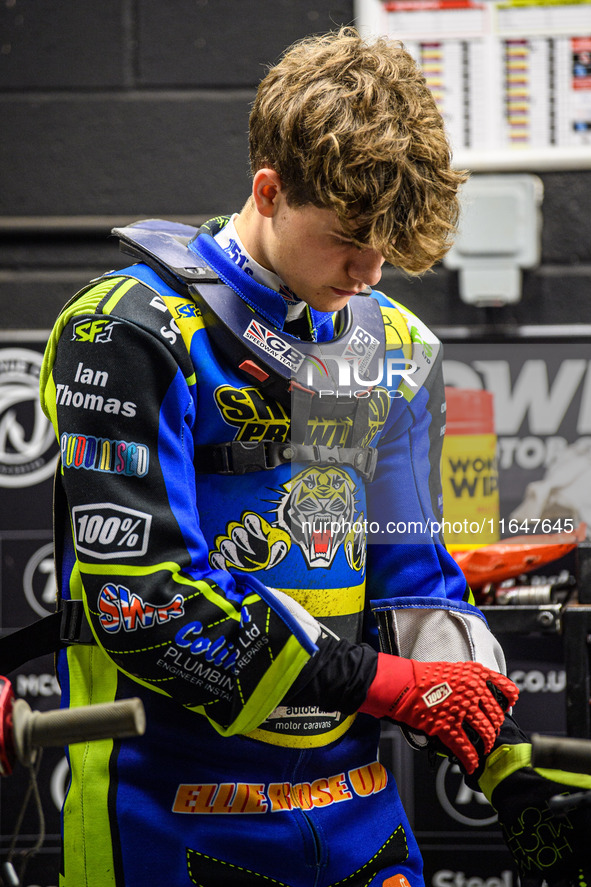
(546, 846)
(439, 699)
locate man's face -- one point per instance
(318, 262)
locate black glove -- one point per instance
(546, 845)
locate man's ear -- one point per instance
(266, 188)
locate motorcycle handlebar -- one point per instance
(559, 753)
(108, 720)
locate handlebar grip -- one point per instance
(106, 720)
(559, 753)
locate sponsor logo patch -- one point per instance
(110, 532)
(94, 331)
(121, 608)
(84, 451)
(189, 309)
(278, 797)
(360, 348)
(437, 694)
(274, 345)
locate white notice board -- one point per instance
(512, 78)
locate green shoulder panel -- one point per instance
(172, 318)
(86, 301)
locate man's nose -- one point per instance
(366, 266)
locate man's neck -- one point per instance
(230, 240)
(250, 227)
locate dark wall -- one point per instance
(130, 109)
(121, 110)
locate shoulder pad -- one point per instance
(420, 333)
(395, 324)
(164, 246)
(397, 332)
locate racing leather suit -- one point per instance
(237, 606)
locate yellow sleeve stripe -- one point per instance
(127, 569)
(89, 761)
(269, 692)
(118, 295)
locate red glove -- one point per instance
(438, 698)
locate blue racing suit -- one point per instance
(237, 606)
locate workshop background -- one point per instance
(133, 109)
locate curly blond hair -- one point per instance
(350, 125)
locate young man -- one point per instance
(221, 478)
